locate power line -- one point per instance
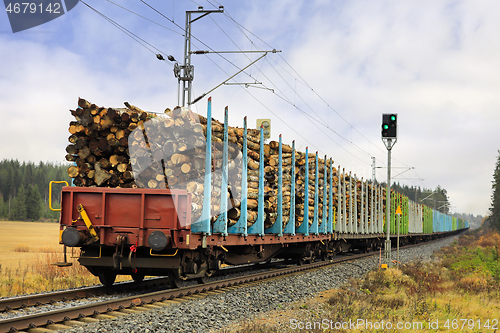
(282, 96)
(143, 43)
(302, 81)
(241, 27)
(136, 38)
(295, 91)
(265, 106)
(328, 105)
(128, 10)
(171, 20)
(203, 43)
(284, 122)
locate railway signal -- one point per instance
(389, 136)
(389, 125)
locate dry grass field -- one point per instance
(20, 240)
(27, 253)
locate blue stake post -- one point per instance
(362, 208)
(314, 226)
(339, 216)
(290, 227)
(304, 227)
(241, 226)
(220, 225)
(258, 226)
(324, 220)
(203, 223)
(330, 201)
(277, 227)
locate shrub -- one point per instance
(473, 283)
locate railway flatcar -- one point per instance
(245, 202)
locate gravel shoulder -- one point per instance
(272, 302)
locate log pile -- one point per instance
(128, 147)
(367, 199)
(99, 145)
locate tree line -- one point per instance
(436, 199)
(24, 190)
(494, 217)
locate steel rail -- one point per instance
(41, 319)
(25, 301)
(74, 313)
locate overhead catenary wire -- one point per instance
(282, 96)
(200, 41)
(132, 12)
(213, 51)
(284, 122)
(279, 93)
(267, 108)
(246, 31)
(241, 28)
(136, 38)
(263, 74)
(333, 109)
(302, 81)
(288, 100)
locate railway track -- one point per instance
(76, 315)
(26, 301)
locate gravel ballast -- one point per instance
(218, 311)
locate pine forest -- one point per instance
(24, 190)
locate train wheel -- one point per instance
(202, 280)
(107, 278)
(137, 277)
(304, 261)
(175, 280)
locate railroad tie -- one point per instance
(57, 327)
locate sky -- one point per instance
(341, 65)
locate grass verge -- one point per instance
(458, 291)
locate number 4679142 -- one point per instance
(33, 8)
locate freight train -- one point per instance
(292, 205)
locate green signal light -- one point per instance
(393, 118)
(386, 126)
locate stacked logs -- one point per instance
(271, 184)
(271, 181)
(128, 147)
(301, 205)
(99, 145)
(367, 194)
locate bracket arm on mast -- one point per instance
(223, 82)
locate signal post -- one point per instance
(389, 137)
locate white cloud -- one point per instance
(436, 63)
